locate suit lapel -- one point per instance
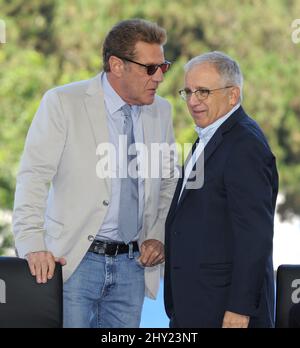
(175, 203)
(173, 206)
(213, 144)
(209, 149)
(150, 136)
(94, 103)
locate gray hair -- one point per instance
(227, 68)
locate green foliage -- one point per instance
(6, 239)
(53, 42)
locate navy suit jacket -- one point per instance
(219, 237)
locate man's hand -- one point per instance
(234, 320)
(42, 265)
(152, 253)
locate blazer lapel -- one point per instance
(94, 103)
(150, 136)
(174, 204)
(212, 145)
(208, 151)
(215, 142)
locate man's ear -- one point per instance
(234, 95)
(116, 66)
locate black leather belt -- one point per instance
(112, 249)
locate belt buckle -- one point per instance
(99, 248)
(117, 249)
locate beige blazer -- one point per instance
(60, 201)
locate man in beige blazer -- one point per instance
(106, 231)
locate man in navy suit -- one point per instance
(219, 232)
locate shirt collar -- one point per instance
(206, 132)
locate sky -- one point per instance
(153, 314)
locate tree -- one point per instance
(53, 42)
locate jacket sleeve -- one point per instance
(42, 152)
(249, 181)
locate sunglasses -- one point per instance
(151, 68)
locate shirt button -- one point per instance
(91, 238)
(105, 202)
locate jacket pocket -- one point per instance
(53, 227)
(216, 275)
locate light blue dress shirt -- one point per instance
(204, 134)
(115, 121)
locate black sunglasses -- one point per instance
(151, 68)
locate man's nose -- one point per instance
(193, 100)
(158, 76)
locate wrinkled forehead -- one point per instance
(203, 75)
(149, 53)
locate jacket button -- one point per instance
(105, 202)
(91, 238)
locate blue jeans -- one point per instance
(105, 292)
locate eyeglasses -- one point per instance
(151, 68)
(201, 93)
